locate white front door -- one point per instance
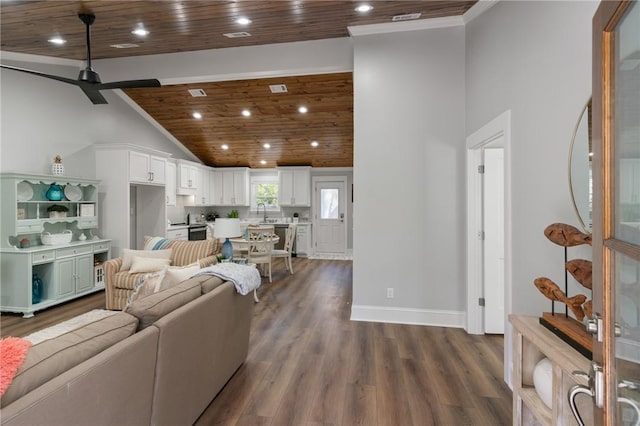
(493, 218)
(329, 216)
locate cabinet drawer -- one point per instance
(42, 257)
(30, 227)
(101, 247)
(73, 251)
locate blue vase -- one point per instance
(54, 193)
(36, 289)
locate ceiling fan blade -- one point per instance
(95, 96)
(128, 84)
(41, 74)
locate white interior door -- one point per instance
(330, 216)
(493, 218)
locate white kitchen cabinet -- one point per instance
(629, 180)
(146, 169)
(188, 173)
(295, 186)
(203, 192)
(170, 185)
(178, 234)
(231, 187)
(215, 187)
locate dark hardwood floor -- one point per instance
(308, 364)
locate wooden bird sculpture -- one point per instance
(553, 292)
(580, 269)
(566, 235)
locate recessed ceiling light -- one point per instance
(140, 30)
(197, 115)
(266, 146)
(263, 162)
(364, 8)
(243, 21)
(314, 144)
(225, 147)
(57, 40)
(303, 110)
(246, 112)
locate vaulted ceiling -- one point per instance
(176, 26)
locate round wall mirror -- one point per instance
(580, 156)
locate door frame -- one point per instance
(343, 201)
(496, 128)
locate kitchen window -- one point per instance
(264, 190)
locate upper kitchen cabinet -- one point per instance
(203, 193)
(188, 174)
(231, 187)
(295, 186)
(170, 187)
(146, 168)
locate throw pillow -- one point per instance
(174, 275)
(148, 264)
(146, 286)
(128, 255)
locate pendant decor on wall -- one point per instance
(567, 328)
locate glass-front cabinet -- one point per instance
(49, 248)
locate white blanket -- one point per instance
(245, 278)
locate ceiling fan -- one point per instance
(89, 80)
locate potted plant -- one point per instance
(57, 211)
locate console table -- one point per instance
(531, 343)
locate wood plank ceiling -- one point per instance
(177, 26)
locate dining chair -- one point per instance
(286, 252)
(256, 230)
(259, 252)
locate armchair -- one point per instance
(120, 284)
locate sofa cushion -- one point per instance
(128, 255)
(53, 357)
(183, 252)
(176, 274)
(147, 264)
(150, 308)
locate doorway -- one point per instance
(489, 220)
(329, 215)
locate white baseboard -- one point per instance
(431, 317)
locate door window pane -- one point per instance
(329, 206)
(627, 127)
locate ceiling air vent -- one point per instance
(407, 17)
(197, 93)
(124, 46)
(237, 35)
(278, 88)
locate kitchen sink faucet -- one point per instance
(265, 211)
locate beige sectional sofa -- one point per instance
(162, 363)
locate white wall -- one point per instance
(533, 58)
(409, 164)
(42, 118)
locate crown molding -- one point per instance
(423, 24)
(39, 59)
